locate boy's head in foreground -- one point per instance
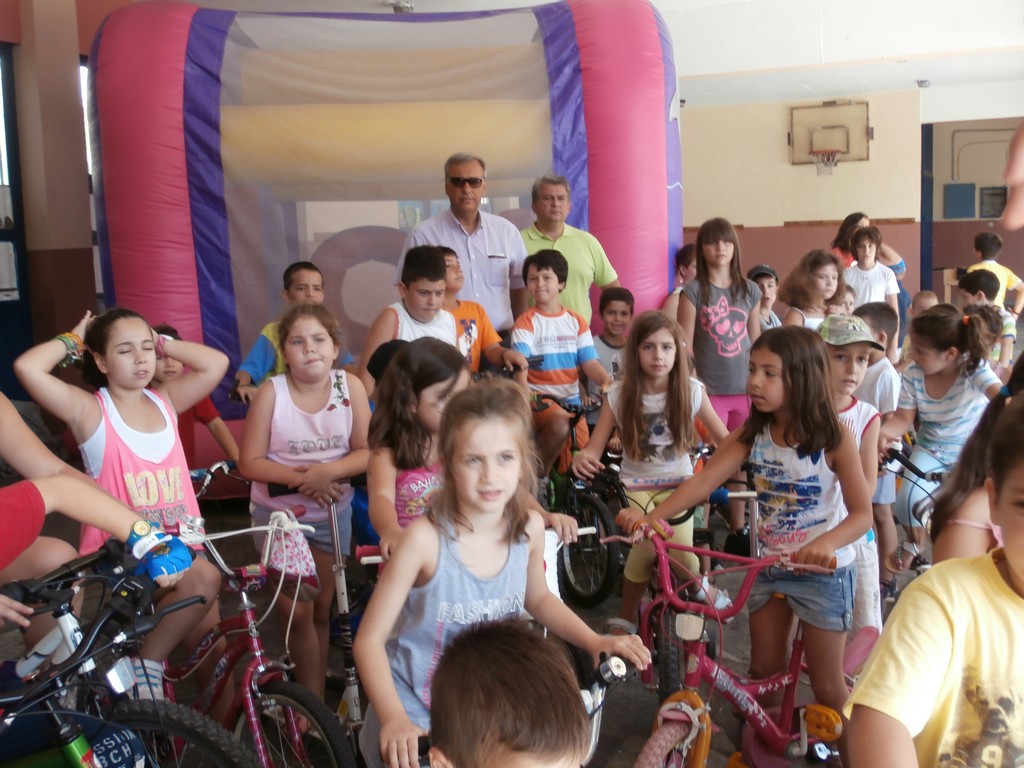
(849, 342)
(503, 696)
(978, 287)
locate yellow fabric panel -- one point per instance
(362, 76)
(369, 144)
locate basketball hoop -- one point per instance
(825, 160)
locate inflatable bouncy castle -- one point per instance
(230, 144)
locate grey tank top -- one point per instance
(436, 612)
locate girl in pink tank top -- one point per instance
(129, 437)
(404, 470)
(306, 429)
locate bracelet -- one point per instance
(73, 345)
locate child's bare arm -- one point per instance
(710, 419)
(219, 429)
(207, 367)
(381, 477)
(596, 372)
(1006, 348)
(71, 404)
(414, 559)
(686, 316)
(558, 618)
(588, 461)
(876, 739)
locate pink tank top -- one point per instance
(414, 488)
(298, 438)
(157, 490)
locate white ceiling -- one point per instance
(746, 51)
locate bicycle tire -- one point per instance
(324, 743)
(660, 750)
(588, 569)
(176, 735)
(669, 655)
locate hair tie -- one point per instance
(967, 320)
(1005, 391)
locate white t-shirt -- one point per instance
(881, 386)
(658, 458)
(872, 284)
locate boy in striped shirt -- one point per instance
(562, 337)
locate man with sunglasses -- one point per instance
(489, 248)
(588, 263)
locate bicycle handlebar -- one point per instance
(576, 409)
(894, 454)
(753, 567)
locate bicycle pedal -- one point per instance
(736, 761)
(823, 722)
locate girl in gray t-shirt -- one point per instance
(719, 322)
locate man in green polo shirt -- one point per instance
(588, 263)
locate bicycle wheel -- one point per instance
(176, 735)
(283, 705)
(670, 655)
(588, 569)
(666, 748)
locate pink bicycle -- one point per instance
(676, 628)
(283, 722)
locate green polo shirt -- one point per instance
(588, 264)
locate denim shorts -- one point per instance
(822, 600)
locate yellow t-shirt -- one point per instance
(948, 666)
(1007, 280)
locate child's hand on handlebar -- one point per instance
(629, 647)
(817, 553)
(162, 557)
(13, 612)
(586, 466)
(630, 519)
(564, 526)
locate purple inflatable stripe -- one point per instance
(565, 94)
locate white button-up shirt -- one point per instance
(491, 258)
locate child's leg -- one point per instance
(309, 640)
(42, 556)
(915, 497)
(771, 627)
(823, 650)
(201, 579)
(885, 526)
(322, 611)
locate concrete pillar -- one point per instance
(54, 173)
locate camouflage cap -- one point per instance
(840, 330)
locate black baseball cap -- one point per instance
(762, 269)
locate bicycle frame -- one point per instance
(774, 732)
(257, 670)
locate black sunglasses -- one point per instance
(460, 181)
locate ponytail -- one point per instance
(970, 331)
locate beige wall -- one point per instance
(970, 152)
(736, 164)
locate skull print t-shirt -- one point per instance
(721, 345)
